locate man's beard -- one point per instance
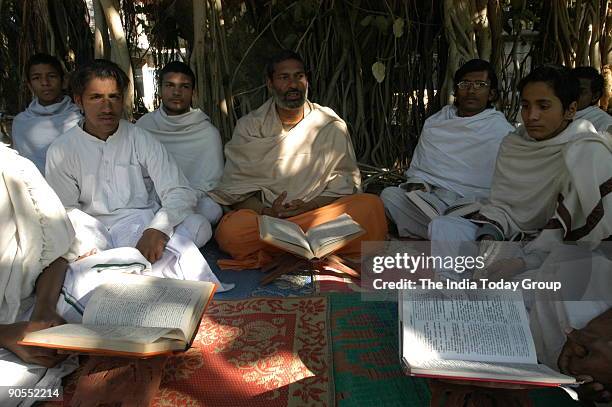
(280, 101)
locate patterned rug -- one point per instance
(366, 358)
(268, 352)
(256, 352)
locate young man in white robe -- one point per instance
(591, 90)
(50, 113)
(455, 156)
(188, 135)
(552, 188)
(109, 174)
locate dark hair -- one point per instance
(44, 59)
(478, 65)
(98, 68)
(590, 73)
(284, 55)
(559, 78)
(177, 67)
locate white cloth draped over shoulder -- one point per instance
(38, 126)
(313, 158)
(193, 141)
(458, 153)
(532, 177)
(34, 230)
(600, 119)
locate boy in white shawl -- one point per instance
(188, 135)
(50, 113)
(455, 156)
(552, 180)
(591, 90)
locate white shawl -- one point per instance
(313, 158)
(194, 143)
(600, 119)
(534, 179)
(34, 230)
(38, 126)
(458, 153)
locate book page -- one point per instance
(147, 302)
(332, 231)
(494, 371)
(283, 230)
(486, 326)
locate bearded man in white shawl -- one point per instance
(111, 176)
(291, 159)
(591, 90)
(552, 189)
(455, 156)
(50, 113)
(188, 135)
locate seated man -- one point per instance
(591, 90)
(291, 159)
(455, 156)
(107, 171)
(188, 135)
(50, 113)
(35, 233)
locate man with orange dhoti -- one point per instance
(291, 159)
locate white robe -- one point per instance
(38, 126)
(196, 146)
(34, 231)
(599, 118)
(113, 179)
(458, 153)
(111, 189)
(455, 158)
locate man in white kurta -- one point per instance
(188, 135)
(455, 156)
(111, 176)
(50, 113)
(591, 90)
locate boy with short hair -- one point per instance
(591, 90)
(50, 113)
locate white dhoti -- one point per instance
(181, 258)
(586, 278)
(408, 218)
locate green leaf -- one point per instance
(378, 70)
(398, 27)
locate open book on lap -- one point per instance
(318, 242)
(477, 335)
(140, 316)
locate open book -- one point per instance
(141, 316)
(430, 206)
(480, 335)
(316, 243)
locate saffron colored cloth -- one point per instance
(238, 231)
